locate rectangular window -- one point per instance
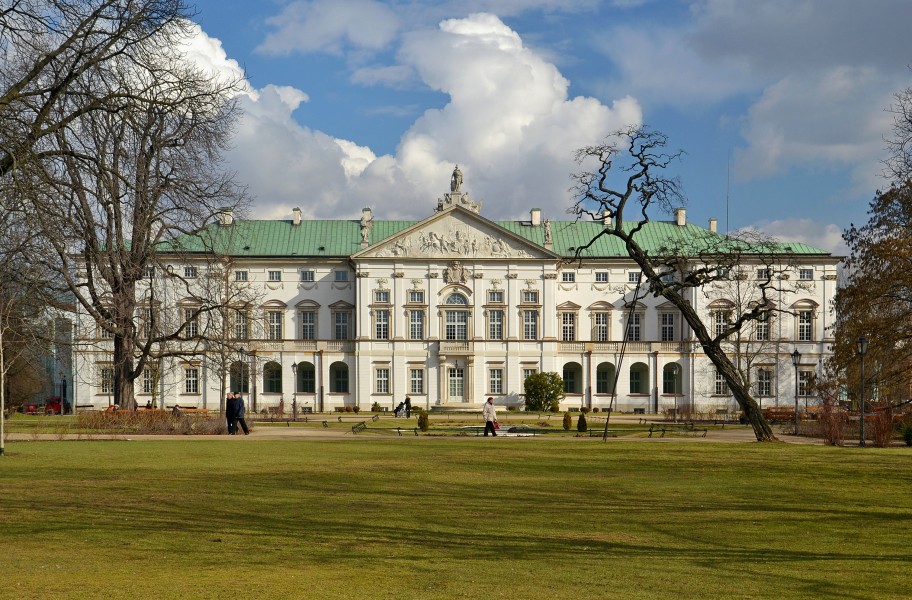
(636, 382)
(241, 330)
(149, 272)
(457, 325)
(416, 296)
(383, 381)
(804, 382)
(600, 333)
(764, 382)
(601, 276)
(634, 327)
(806, 274)
(669, 381)
(308, 325)
(495, 324)
(105, 334)
(307, 380)
(530, 324)
(568, 327)
(189, 272)
(762, 328)
(633, 276)
(495, 379)
(416, 381)
(382, 324)
(341, 276)
(527, 373)
(340, 326)
(721, 387)
(530, 297)
(106, 380)
(668, 327)
(191, 320)
(240, 275)
(805, 325)
(382, 296)
(191, 380)
(275, 324)
(275, 276)
(416, 324)
(568, 277)
(148, 381)
(307, 275)
(763, 274)
(495, 296)
(602, 381)
(721, 320)
(723, 273)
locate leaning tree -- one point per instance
(628, 186)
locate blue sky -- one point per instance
(780, 106)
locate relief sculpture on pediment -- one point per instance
(452, 242)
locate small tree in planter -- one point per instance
(581, 424)
(544, 391)
(568, 421)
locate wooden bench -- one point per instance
(362, 428)
(686, 428)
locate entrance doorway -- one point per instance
(456, 377)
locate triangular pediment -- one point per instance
(456, 234)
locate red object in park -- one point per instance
(51, 406)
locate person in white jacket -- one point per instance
(490, 417)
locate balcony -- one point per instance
(456, 347)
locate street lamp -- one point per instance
(252, 375)
(862, 347)
(796, 360)
(294, 393)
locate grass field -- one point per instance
(453, 518)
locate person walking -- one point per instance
(408, 407)
(239, 414)
(490, 417)
(230, 411)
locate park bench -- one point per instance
(684, 428)
(362, 428)
(779, 414)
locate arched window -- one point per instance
(573, 378)
(457, 299)
(272, 378)
(338, 378)
(239, 377)
(306, 378)
(639, 378)
(672, 376)
(604, 378)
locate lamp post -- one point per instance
(796, 360)
(294, 393)
(862, 347)
(252, 375)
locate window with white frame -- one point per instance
(496, 296)
(275, 276)
(530, 297)
(762, 327)
(274, 321)
(190, 272)
(416, 324)
(341, 325)
(416, 296)
(382, 381)
(240, 275)
(635, 327)
(530, 324)
(721, 386)
(667, 326)
(527, 373)
(806, 274)
(805, 325)
(416, 381)
(495, 381)
(382, 324)
(636, 381)
(568, 327)
(307, 275)
(633, 276)
(148, 380)
(308, 324)
(191, 380)
(104, 333)
(456, 325)
(601, 276)
(600, 330)
(106, 380)
(191, 323)
(804, 382)
(241, 325)
(764, 382)
(149, 273)
(763, 274)
(382, 296)
(722, 319)
(568, 277)
(495, 324)
(340, 276)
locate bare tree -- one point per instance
(678, 265)
(124, 183)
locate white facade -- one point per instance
(456, 308)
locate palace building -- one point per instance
(454, 308)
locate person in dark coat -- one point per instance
(230, 410)
(399, 408)
(408, 407)
(239, 414)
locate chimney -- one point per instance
(680, 217)
(606, 218)
(296, 215)
(536, 217)
(713, 224)
(226, 216)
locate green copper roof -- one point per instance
(342, 238)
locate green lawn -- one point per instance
(378, 517)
